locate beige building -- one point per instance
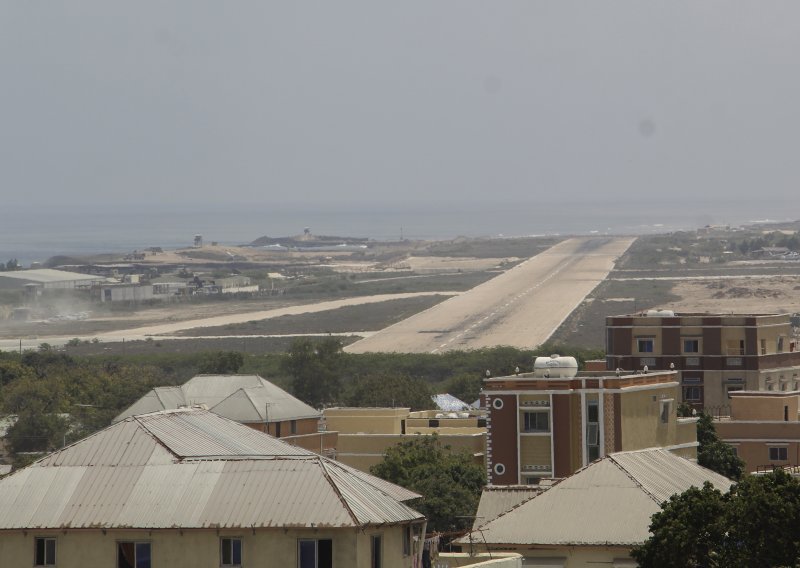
(541, 427)
(364, 434)
(247, 399)
(596, 516)
(714, 354)
(764, 429)
(187, 488)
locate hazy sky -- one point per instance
(401, 102)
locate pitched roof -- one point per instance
(498, 499)
(609, 502)
(193, 469)
(244, 398)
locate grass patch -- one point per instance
(366, 317)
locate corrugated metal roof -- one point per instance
(498, 499)
(609, 502)
(192, 469)
(49, 275)
(449, 403)
(243, 398)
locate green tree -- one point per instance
(755, 525)
(37, 431)
(763, 521)
(389, 390)
(715, 454)
(687, 533)
(221, 363)
(449, 481)
(466, 387)
(316, 370)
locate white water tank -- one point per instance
(555, 367)
(660, 314)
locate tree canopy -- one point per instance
(715, 454)
(449, 481)
(316, 370)
(755, 525)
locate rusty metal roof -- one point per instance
(193, 469)
(609, 502)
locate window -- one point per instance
(315, 553)
(133, 555)
(499, 468)
(230, 552)
(666, 411)
(592, 430)
(780, 345)
(778, 454)
(644, 345)
(45, 552)
(691, 346)
(293, 427)
(376, 552)
(407, 541)
(692, 394)
(733, 388)
(763, 346)
(537, 422)
(497, 404)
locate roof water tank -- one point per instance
(660, 314)
(555, 367)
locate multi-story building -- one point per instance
(713, 354)
(543, 425)
(365, 434)
(764, 428)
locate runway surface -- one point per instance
(521, 307)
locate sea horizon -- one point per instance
(35, 234)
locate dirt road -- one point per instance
(521, 307)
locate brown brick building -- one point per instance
(542, 427)
(713, 354)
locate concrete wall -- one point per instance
(574, 556)
(484, 559)
(641, 419)
(172, 548)
(745, 407)
(362, 451)
(366, 420)
(752, 441)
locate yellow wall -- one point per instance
(364, 450)
(534, 450)
(367, 420)
(576, 556)
(763, 407)
(201, 548)
(641, 419)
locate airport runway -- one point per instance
(521, 307)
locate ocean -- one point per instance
(35, 233)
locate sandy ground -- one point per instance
(166, 329)
(521, 307)
(453, 264)
(754, 294)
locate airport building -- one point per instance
(713, 354)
